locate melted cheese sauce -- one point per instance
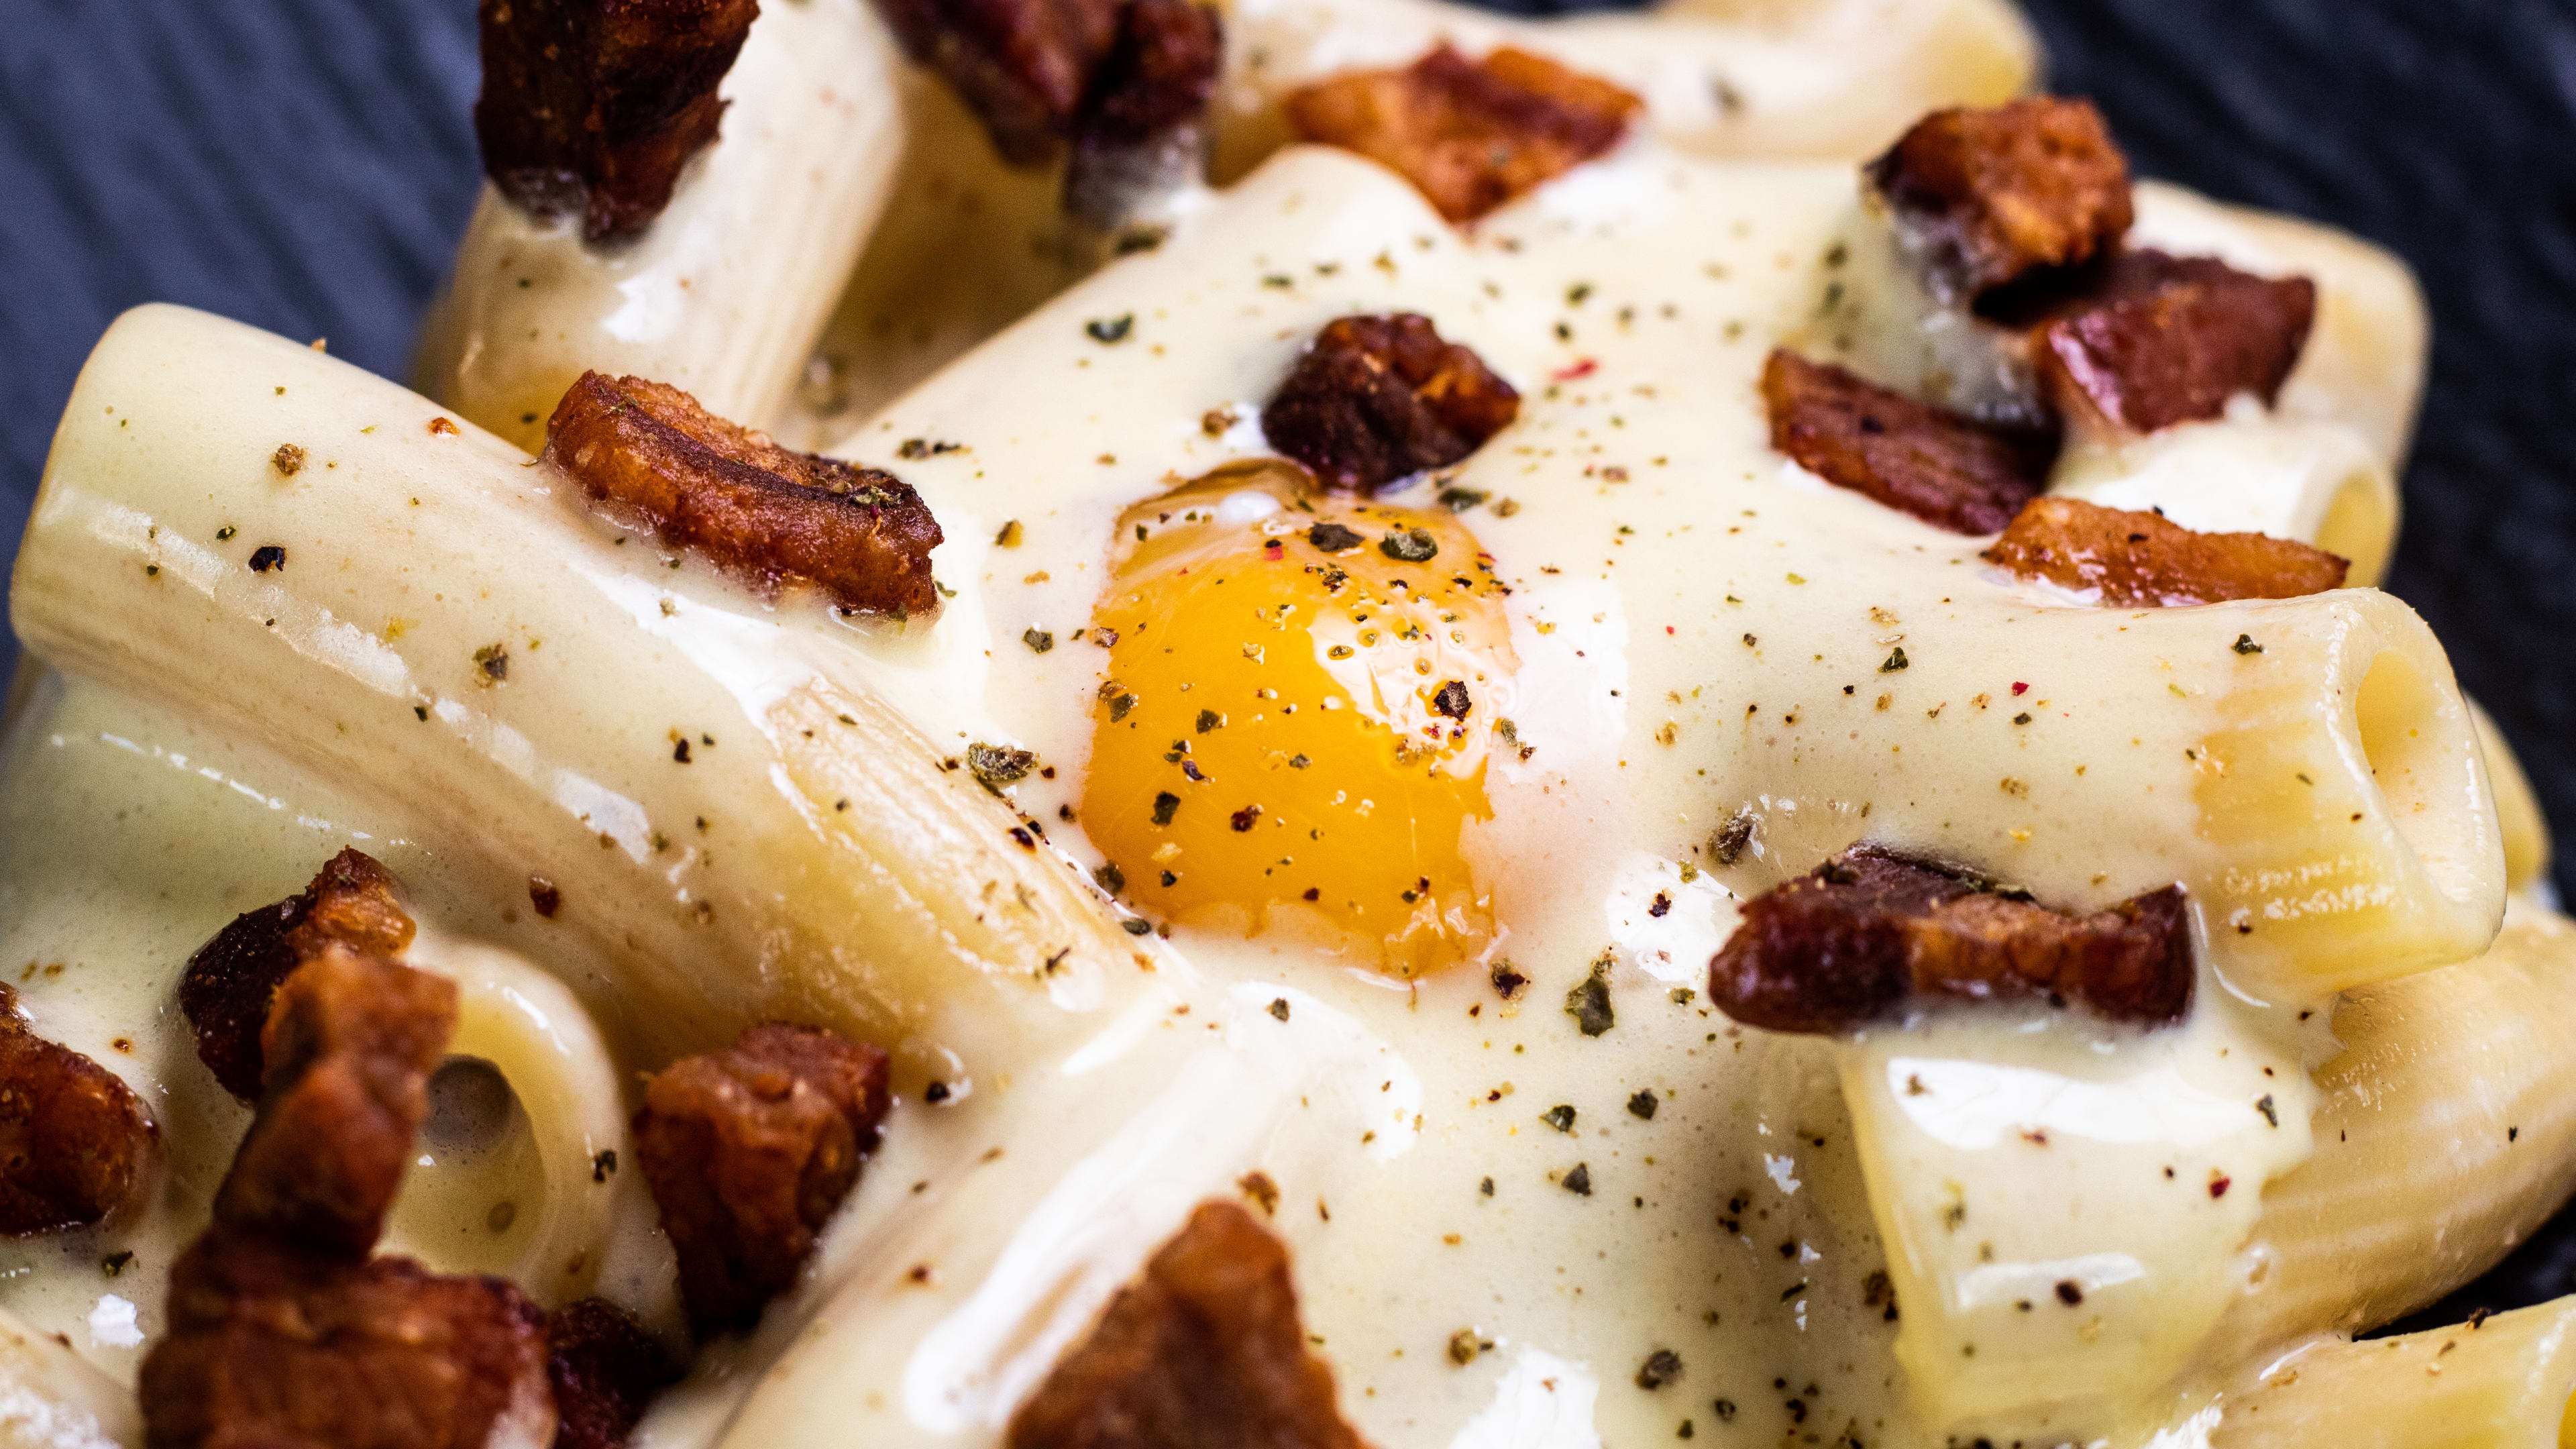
(1507, 1209)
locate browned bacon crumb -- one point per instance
(646, 451)
(1471, 135)
(1023, 66)
(1204, 1350)
(605, 1369)
(226, 989)
(350, 1044)
(1381, 398)
(2168, 340)
(595, 105)
(1983, 198)
(75, 1142)
(1143, 127)
(282, 1331)
(1949, 470)
(1853, 941)
(748, 1150)
(2145, 561)
(269, 1345)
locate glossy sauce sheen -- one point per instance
(1692, 631)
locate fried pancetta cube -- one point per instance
(647, 453)
(75, 1142)
(1868, 931)
(1382, 398)
(747, 1151)
(1986, 197)
(270, 1345)
(282, 1330)
(605, 1369)
(1143, 127)
(1205, 1351)
(1023, 66)
(1947, 469)
(2145, 561)
(226, 989)
(595, 105)
(1471, 135)
(2166, 340)
(351, 1043)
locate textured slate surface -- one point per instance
(305, 165)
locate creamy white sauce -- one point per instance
(1698, 635)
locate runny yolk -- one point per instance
(1291, 739)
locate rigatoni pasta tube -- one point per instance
(424, 616)
(2499, 1383)
(726, 292)
(2364, 363)
(2321, 465)
(2446, 1133)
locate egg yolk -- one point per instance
(1292, 735)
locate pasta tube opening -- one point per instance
(2351, 790)
(2415, 741)
(518, 1173)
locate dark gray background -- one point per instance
(306, 166)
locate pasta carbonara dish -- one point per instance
(1299, 723)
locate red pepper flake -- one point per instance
(2218, 1186)
(2020, 688)
(438, 426)
(1585, 368)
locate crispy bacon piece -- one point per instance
(350, 1044)
(748, 1150)
(1984, 198)
(595, 105)
(605, 1369)
(282, 1331)
(1205, 1350)
(2145, 561)
(647, 452)
(1381, 398)
(1471, 135)
(269, 1345)
(75, 1142)
(2168, 340)
(1023, 66)
(1853, 941)
(226, 989)
(1949, 470)
(1143, 128)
